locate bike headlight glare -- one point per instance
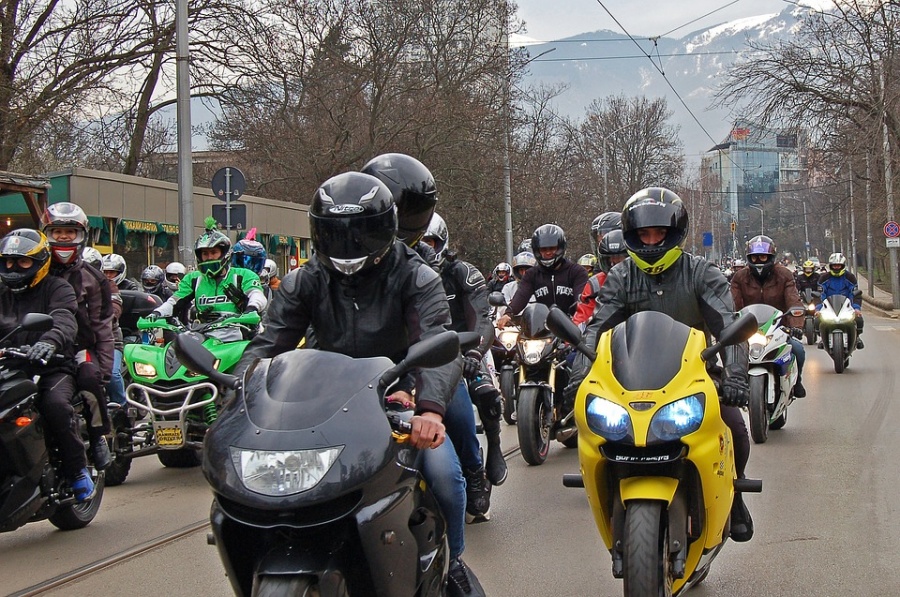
(677, 419)
(846, 315)
(280, 473)
(758, 339)
(607, 419)
(145, 369)
(532, 350)
(509, 339)
(827, 315)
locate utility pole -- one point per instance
(183, 117)
(870, 239)
(889, 192)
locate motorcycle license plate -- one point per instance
(168, 436)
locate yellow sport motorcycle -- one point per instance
(657, 461)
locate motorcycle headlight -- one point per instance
(757, 345)
(827, 315)
(811, 307)
(607, 419)
(532, 350)
(284, 472)
(845, 316)
(509, 339)
(677, 419)
(145, 369)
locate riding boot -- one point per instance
(487, 399)
(741, 522)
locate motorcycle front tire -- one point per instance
(119, 445)
(278, 585)
(532, 425)
(838, 352)
(508, 390)
(78, 516)
(809, 328)
(647, 570)
(759, 414)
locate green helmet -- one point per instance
(212, 238)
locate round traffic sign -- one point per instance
(228, 178)
(892, 229)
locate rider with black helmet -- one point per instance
(415, 195)
(770, 283)
(26, 288)
(367, 295)
(603, 224)
(611, 251)
(690, 289)
(555, 280)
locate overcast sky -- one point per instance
(554, 19)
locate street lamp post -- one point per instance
(762, 214)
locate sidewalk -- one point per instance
(883, 301)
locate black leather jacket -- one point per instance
(376, 313)
(561, 286)
(469, 308)
(692, 291)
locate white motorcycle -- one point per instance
(773, 371)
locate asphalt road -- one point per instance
(826, 524)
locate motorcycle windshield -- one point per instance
(837, 302)
(534, 320)
(647, 350)
(302, 389)
(765, 315)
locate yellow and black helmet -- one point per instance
(19, 244)
(654, 207)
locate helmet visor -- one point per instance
(414, 216)
(836, 267)
(352, 238)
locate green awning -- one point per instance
(96, 222)
(279, 240)
(171, 229)
(141, 226)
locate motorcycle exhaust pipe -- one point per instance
(565, 433)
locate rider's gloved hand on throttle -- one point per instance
(41, 351)
(797, 333)
(735, 387)
(152, 316)
(471, 363)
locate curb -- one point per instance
(883, 308)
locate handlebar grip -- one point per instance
(748, 485)
(573, 480)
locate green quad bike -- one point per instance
(170, 408)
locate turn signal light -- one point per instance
(23, 421)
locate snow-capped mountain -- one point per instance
(602, 63)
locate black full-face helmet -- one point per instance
(412, 186)
(761, 253)
(545, 237)
(654, 207)
(352, 222)
(604, 224)
(20, 243)
(611, 250)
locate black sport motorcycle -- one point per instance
(810, 325)
(32, 486)
(506, 361)
(316, 491)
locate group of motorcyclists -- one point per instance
(383, 277)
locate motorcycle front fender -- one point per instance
(648, 488)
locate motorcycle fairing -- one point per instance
(534, 320)
(647, 350)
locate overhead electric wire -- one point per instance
(698, 18)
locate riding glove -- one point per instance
(471, 363)
(735, 388)
(41, 351)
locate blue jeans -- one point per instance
(115, 389)
(459, 419)
(799, 353)
(442, 472)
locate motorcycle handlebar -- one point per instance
(22, 353)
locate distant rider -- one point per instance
(837, 280)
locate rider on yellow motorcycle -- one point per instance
(660, 277)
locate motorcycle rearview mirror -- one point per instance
(857, 293)
(432, 352)
(497, 299)
(32, 322)
(193, 355)
(565, 329)
(736, 332)
(797, 311)
(468, 341)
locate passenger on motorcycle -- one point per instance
(367, 295)
(660, 277)
(215, 287)
(837, 280)
(66, 228)
(269, 279)
(26, 288)
(769, 283)
(612, 251)
(114, 268)
(415, 194)
(807, 278)
(153, 281)
(470, 312)
(500, 277)
(556, 280)
(175, 273)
